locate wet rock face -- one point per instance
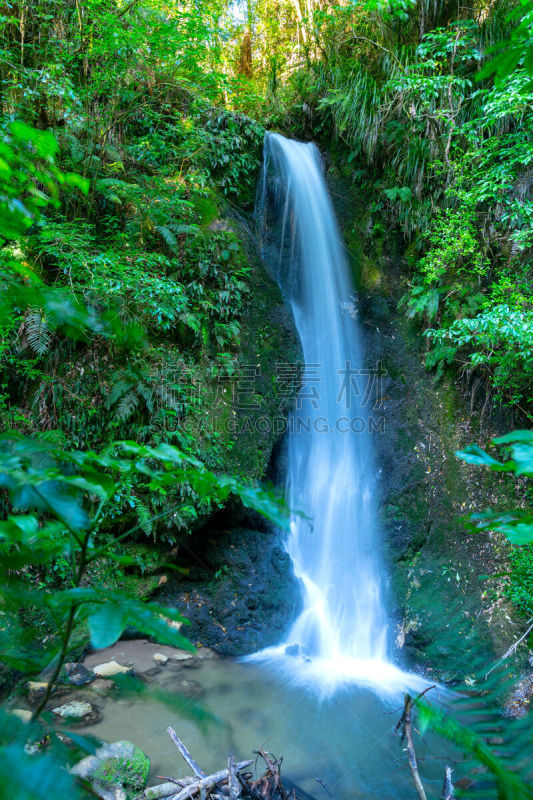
(254, 419)
(437, 595)
(242, 594)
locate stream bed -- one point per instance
(347, 740)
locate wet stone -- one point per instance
(21, 713)
(192, 663)
(117, 771)
(36, 690)
(77, 674)
(76, 709)
(150, 673)
(189, 688)
(203, 653)
(111, 668)
(183, 655)
(102, 686)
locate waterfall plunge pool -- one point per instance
(346, 740)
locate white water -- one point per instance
(342, 633)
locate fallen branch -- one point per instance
(248, 790)
(208, 782)
(185, 753)
(233, 784)
(226, 784)
(161, 790)
(417, 698)
(447, 789)
(406, 724)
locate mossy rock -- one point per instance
(119, 764)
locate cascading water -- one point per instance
(341, 634)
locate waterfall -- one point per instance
(341, 633)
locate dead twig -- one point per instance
(208, 782)
(247, 789)
(405, 723)
(447, 789)
(512, 648)
(324, 787)
(185, 753)
(233, 783)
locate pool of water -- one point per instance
(346, 740)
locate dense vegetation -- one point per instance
(131, 143)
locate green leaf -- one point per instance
(72, 179)
(520, 533)
(106, 623)
(475, 455)
(526, 437)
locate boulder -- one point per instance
(117, 771)
(247, 597)
(292, 650)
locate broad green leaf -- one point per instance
(475, 455)
(106, 623)
(520, 533)
(526, 437)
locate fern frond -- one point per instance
(144, 518)
(54, 437)
(118, 390)
(38, 332)
(168, 236)
(127, 406)
(180, 228)
(147, 395)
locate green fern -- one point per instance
(168, 236)
(120, 388)
(144, 517)
(440, 357)
(181, 228)
(127, 406)
(111, 189)
(38, 332)
(53, 437)
(421, 301)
